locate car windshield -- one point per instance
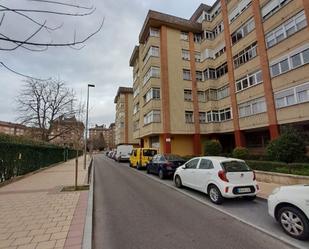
(149, 152)
(235, 166)
(171, 157)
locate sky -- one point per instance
(103, 61)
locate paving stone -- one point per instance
(60, 235)
(46, 245)
(22, 241)
(41, 238)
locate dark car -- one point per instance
(164, 165)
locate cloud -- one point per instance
(104, 61)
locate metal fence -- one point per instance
(20, 159)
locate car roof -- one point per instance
(220, 158)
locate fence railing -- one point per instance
(20, 159)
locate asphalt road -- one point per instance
(132, 211)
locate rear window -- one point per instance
(149, 152)
(235, 166)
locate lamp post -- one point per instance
(86, 133)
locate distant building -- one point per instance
(12, 128)
(108, 134)
(124, 114)
(67, 131)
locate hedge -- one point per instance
(17, 159)
(280, 167)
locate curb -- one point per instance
(87, 237)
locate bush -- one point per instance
(212, 148)
(280, 167)
(241, 153)
(289, 147)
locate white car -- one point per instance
(289, 205)
(219, 177)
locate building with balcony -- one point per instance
(124, 113)
(236, 71)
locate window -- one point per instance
(186, 74)
(252, 107)
(290, 62)
(199, 75)
(198, 38)
(153, 72)
(240, 8)
(197, 56)
(154, 32)
(206, 164)
(291, 96)
(202, 117)
(249, 80)
(272, 7)
(135, 92)
(136, 125)
(211, 35)
(243, 31)
(136, 108)
(153, 93)
(223, 92)
(189, 116)
(192, 164)
(211, 94)
(286, 29)
(153, 116)
(188, 95)
(152, 51)
(185, 54)
(219, 115)
(210, 73)
(245, 55)
(184, 36)
(201, 96)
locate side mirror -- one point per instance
(184, 166)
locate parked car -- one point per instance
(219, 177)
(140, 157)
(123, 152)
(164, 165)
(289, 205)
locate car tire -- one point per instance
(250, 197)
(294, 222)
(215, 195)
(178, 182)
(161, 174)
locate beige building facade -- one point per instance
(123, 120)
(236, 71)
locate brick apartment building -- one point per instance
(107, 133)
(236, 71)
(12, 128)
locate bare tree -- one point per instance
(98, 142)
(46, 104)
(36, 25)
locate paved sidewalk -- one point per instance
(266, 189)
(34, 214)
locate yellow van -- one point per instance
(141, 156)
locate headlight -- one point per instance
(275, 191)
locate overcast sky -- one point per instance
(104, 61)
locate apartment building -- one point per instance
(12, 128)
(236, 71)
(108, 135)
(124, 113)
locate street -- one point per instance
(133, 211)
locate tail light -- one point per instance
(254, 176)
(222, 176)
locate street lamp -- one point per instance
(86, 133)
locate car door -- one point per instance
(160, 162)
(204, 173)
(152, 164)
(188, 173)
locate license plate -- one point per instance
(244, 190)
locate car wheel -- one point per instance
(250, 197)
(178, 182)
(215, 195)
(294, 222)
(161, 174)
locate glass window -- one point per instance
(235, 166)
(199, 75)
(185, 54)
(188, 95)
(238, 86)
(201, 96)
(205, 164)
(192, 164)
(275, 70)
(245, 83)
(259, 77)
(306, 56)
(186, 74)
(296, 60)
(301, 21)
(280, 102)
(189, 116)
(202, 116)
(270, 40)
(279, 34)
(290, 99)
(284, 65)
(290, 28)
(303, 96)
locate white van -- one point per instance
(123, 152)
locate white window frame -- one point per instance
(247, 78)
(249, 105)
(153, 72)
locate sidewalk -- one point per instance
(34, 214)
